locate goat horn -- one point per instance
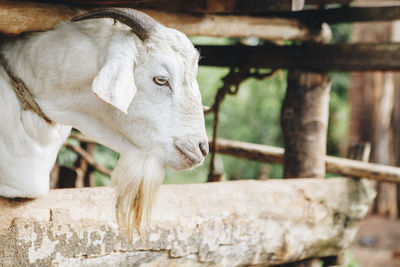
(140, 23)
(205, 108)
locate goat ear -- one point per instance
(114, 84)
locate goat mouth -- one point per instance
(188, 159)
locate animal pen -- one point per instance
(236, 223)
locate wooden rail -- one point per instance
(17, 17)
(271, 154)
(238, 223)
(354, 3)
(197, 6)
(341, 15)
(324, 2)
(198, 18)
(317, 57)
(342, 166)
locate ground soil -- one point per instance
(377, 243)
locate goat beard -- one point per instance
(137, 178)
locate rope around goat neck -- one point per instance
(26, 98)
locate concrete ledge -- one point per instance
(215, 224)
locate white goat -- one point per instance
(131, 86)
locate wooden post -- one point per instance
(89, 179)
(304, 121)
(373, 116)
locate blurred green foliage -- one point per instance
(341, 33)
(339, 111)
(253, 115)
(349, 260)
(68, 157)
(107, 158)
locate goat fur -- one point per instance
(96, 76)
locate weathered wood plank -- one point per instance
(325, 2)
(239, 26)
(218, 224)
(278, 8)
(226, 6)
(197, 6)
(345, 14)
(271, 154)
(17, 17)
(342, 166)
(317, 57)
(374, 3)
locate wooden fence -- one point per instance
(232, 223)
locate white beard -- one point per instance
(137, 178)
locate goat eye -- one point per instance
(161, 80)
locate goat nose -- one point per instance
(203, 148)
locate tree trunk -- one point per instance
(304, 121)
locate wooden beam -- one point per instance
(271, 154)
(374, 3)
(317, 57)
(325, 2)
(242, 223)
(240, 26)
(17, 17)
(226, 6)
(197, 6)
(346, 14)
(270, 8)
(342, 166)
